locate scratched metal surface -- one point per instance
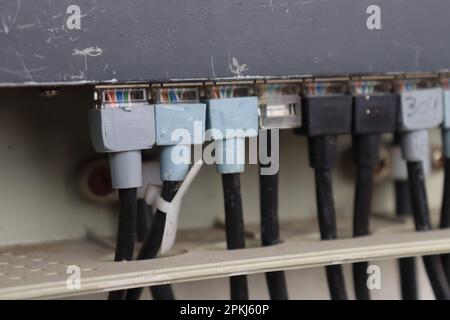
(139, 40)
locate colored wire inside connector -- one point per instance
(176, 95)
(315, 89)
(364, 87)
(408, 85)
(445, 83)
(325, 88)
(416, 84)
(114, 97)
(224, 92)
(277, 92)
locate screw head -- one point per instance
(49, 92)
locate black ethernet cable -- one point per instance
(124, 149)
(235, 231)
(145, 220)
(326, 115)
(445, 214)
(322, 153)
(403, 208)
(152, 243)
(374, 113)
(445, 209)
(414, 123)
(229, 132)
(270, 231)
(171, 115)
(433, 264)
(407, 266)
(279, 108)
(126, 234)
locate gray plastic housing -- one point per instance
(126, 169)
(178, 126)
(230, 121)
(187, 117)
(122, 129)
(415, 145)
(233, 117)
(399, 170)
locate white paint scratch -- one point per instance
(7, 26)
(53, 29)
(416, 49)
(236, 68)
(25, 26)
(272, 5)
(21, 72)
(91, 52)
(79, 76)
(25, 69)
(212, 67)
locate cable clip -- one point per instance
(153, 197)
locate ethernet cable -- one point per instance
(445, 210)
(145, 217)
(374, 113)
(279, 108)
(178, 116)
(232, 115)
(403, 208)
(144, 223)
(421, 108)
(326, 113)
(122, 124)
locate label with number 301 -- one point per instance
(421, 109)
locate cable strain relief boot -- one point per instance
(175, 161)
(366, 149)
(415, 145)
(230, 155)
(322, 152)
(126, 169)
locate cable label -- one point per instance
(421, 109)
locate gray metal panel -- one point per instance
(138, 40)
